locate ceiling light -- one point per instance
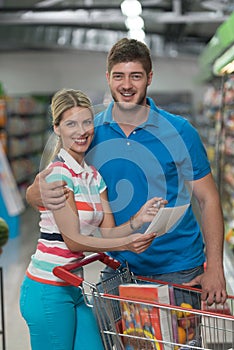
(214, 5)
(49, 14)
(55, 15)
(137, 34)
(47, 3)
(134, 22)
(131, 8)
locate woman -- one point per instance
(56, 314)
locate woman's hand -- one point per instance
(138, 242)
(148, 211)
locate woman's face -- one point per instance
(76, 130)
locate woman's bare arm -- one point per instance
(67, 221)
(145, 214)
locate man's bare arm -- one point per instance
(50, 195)
(213, 280)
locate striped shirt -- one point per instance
(86, 184)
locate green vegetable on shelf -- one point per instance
(4, 232)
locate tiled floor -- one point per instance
(14, 260)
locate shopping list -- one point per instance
(165, 219)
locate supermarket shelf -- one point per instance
(228, 268)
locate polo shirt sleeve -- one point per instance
(197, 153)
(101, 183)
(60, 172)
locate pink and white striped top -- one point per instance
(86, 184)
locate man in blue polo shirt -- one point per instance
(142, 151)
(163, 162)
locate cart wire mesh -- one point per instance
(199, 326)
(213, 326)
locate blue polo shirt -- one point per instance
(157, 159)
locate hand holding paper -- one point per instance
(165, 219)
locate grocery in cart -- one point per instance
(137, 313)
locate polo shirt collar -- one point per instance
(152, 117)
(72, 163)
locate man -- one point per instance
(142, 151)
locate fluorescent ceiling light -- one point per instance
(55, 15)
(131, 8)
(134, 22)
(48, 3)
(137, 34)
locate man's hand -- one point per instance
(213, 287)
(50, 195)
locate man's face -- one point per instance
(128, 83)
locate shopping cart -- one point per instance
(209, 327)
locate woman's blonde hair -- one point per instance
(62, 101)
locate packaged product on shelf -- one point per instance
(2, 113)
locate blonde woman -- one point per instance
(56, 314)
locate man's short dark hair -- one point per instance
(129, 50)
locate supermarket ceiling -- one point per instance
(171, 27)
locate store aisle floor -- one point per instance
(14, 260)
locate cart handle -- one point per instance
(64, 272)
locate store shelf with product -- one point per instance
(3, 118)
(24, 131)
(176, 102)
(224, 152)
(27, 128)
(207, 122)
(10, 201)
(217, 69)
